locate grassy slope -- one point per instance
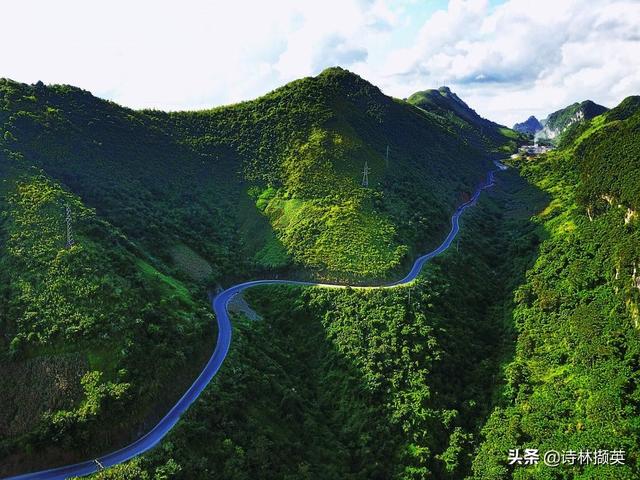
(363, 384)
(145, 185)
(88, 315)
(472, 127)
(573, 382)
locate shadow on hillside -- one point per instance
(351, 384)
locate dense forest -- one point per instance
(572, 384)
(522, 335)
(168, 207)
(370, 384)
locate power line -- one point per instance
(365, 175)
(386, 158)
(70, 240)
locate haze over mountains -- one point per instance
(530, 126)
(556, 123)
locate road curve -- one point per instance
(219, 304)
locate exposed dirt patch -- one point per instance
(32, 387)
(191, 263)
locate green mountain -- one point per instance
(485, 133)
(167, 205)
(522, 335)
(573, 383)
(298, 152)
(530, 126)
(558, 122)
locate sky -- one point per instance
(508, 59)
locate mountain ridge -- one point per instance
(554, 125)
(446, 103)
(530, 126)
(178, 202)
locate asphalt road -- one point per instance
(219, 304)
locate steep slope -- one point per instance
(299, 151)
(529, 127)
(362, 384)
(164, 205)
(559, 121)
(573, 383)
(473, 127)
(304, 156)
(78, 326)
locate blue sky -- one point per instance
(507, 59)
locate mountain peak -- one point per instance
(335, 70)
(557, 122)
(627, 107)
(446, 103)
(530, 126)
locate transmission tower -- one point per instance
(70, 240)
(365, 175)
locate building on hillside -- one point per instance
(535, 149)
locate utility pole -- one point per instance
(365, 175)
(70, 240)
(386, 158)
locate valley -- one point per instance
(519, 329)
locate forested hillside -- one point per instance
(298, 152)
(98, 339)
(79, 325)
(303, 154)
(372, 384)
(524, 334)
(485, 133)
(557, 123)
(573, 382)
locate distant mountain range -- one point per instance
(445, 103)
(552, 127)
(530, 126)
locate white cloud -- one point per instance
(524, 57)
(507, 61)
(186, 54)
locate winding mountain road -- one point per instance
(220, 304)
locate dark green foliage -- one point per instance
(573, 382)
(362, 384)
(168, 180)
(307, 144)
(161, 201)
(609, 161)
(97, 302)
(471, 127)
(124, 166)
(578, 111)
(628, 107)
